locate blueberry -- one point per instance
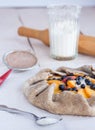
(64, 76)
(82, 85)
(78, 82)
(74, 89)
(69, 89)
(79, 78)
(61, 87)
(92, 86)
(88, 82)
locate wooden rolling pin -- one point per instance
(86, 43)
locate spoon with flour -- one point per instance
(42, 121)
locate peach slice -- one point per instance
(57, 82)
(82, 92)
(89, 92)
(71, 83)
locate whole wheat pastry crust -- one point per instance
(41, 94)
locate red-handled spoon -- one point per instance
(4, 76)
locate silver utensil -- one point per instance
(43, 121)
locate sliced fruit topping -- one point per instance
(59, 86)
(71, 83)
(89, 92)
(82, 92)
(78, 83)
(57, 90)
(55, 81)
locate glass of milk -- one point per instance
(64, 31)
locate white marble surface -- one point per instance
(11, 91)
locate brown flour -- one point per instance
(21, 59)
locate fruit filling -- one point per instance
(78, 84)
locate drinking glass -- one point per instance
(64, 31)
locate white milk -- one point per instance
(64, 39)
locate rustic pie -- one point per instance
(63, 91)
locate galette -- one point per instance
(69, 91)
